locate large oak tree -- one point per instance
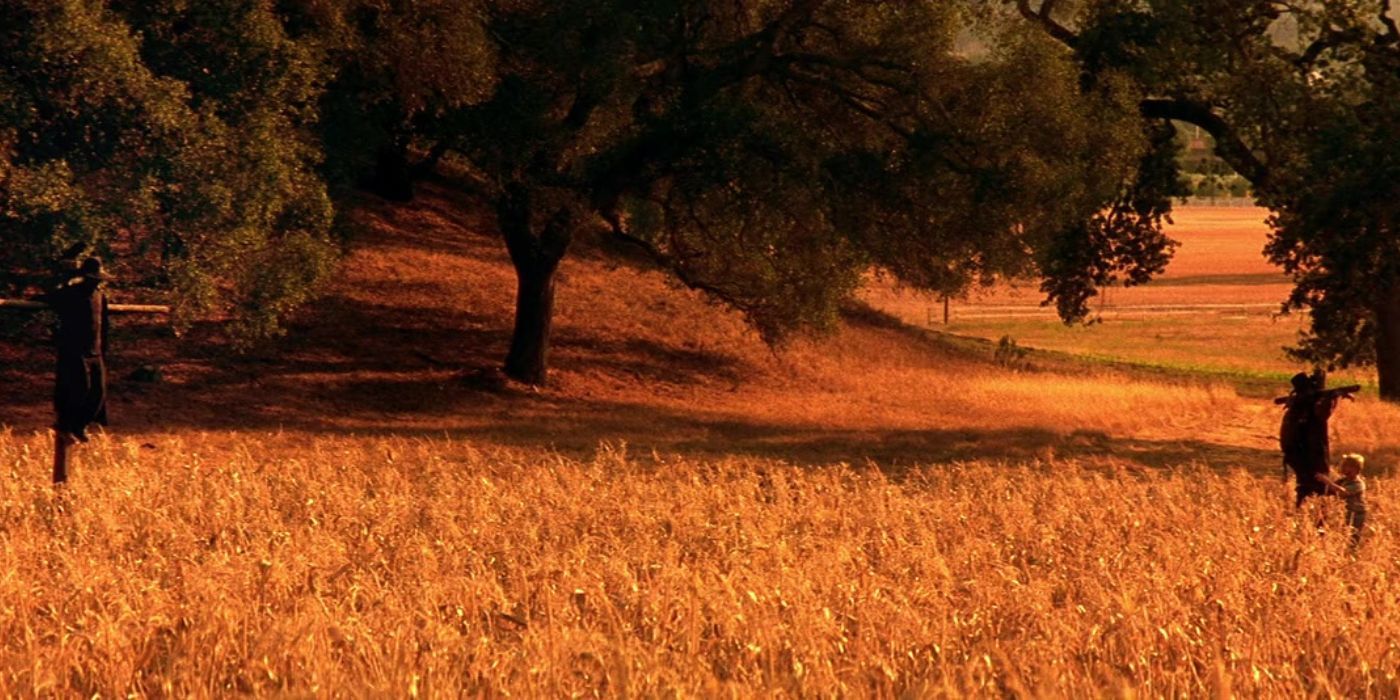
(1301, 99)
(768, 152)
(771, 152)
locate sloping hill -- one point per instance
(408, 337)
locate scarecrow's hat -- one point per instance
(92, 269)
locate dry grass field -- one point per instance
(368, 510)
(219, 564)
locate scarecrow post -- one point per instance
(80, 342)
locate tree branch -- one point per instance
(859, 103)
(667, 262)
(858, 66)
(765, 42)
(1392, 34)
(802, 10)
(1058, 31)
(1228, 144)
(1329, 40)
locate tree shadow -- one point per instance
(648, 361)
(577, 429)
(468, 230)
(385, 351)
(450, 405)
(387, 369)
(396, 357)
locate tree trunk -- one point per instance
(61, 442)
(536, 257)
(528, 359)
(428, 165)
(1388, 344)
(392, 178)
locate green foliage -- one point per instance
(172, 137)
(1337, 204)
(400, 65)
(769, 153)
(1123, 241)
(1335, 232)
(84, 129)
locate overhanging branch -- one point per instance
(1392, 34)
(1228, 144)
(667, 262)
(1329, 40)
(865, 105)
(1046, 20)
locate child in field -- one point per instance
(1352, 488)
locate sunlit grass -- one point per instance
(281, 563)
(1251, 344)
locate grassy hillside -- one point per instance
(370, 509)
(408, 339)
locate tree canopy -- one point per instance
(767, 152)
(174, 136)
(1300, 99)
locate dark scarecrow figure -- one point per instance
(1303, 434)
(80, 340)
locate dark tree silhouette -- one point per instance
(1300, 99)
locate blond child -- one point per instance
(1352, 488)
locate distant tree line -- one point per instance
(1206, 175)
(766, 152)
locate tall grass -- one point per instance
(202, 564)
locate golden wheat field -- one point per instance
(288, 564)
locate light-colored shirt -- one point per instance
(1354, 491)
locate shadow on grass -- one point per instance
(380, 369)
(456, 408)
(577, 430)
(1261, 279)
(373, 351)
(428, 367)
(432, 401)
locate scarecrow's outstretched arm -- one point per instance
(138, 308)
(27, 305)
(22, 305)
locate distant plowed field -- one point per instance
(1216, 308)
